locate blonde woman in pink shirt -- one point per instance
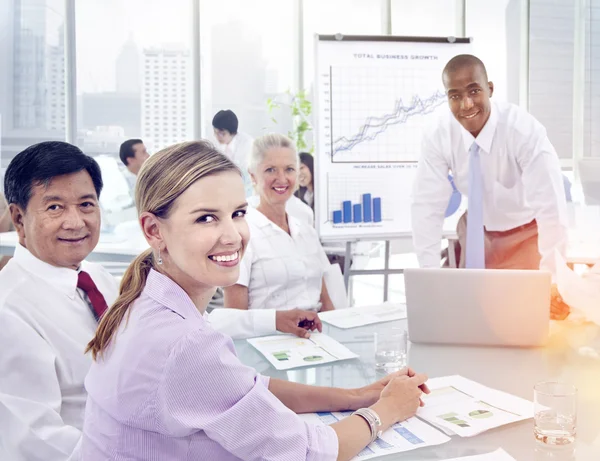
(164, 385)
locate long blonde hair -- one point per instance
(162, 179)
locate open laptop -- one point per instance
(478, 306)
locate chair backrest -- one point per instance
(334, 281)
(589, 173)
(567, 184)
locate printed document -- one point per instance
(289, 351)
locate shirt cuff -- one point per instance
(323, 443)
(265, 380)
(264, 322)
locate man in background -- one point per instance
(234, 144)
(133, 154)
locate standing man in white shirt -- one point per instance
(236, 145)
(502, 159)
(50, 301)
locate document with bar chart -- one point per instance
(374, 100)
(408, 435)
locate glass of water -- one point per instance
(391, 347)
(555, 413)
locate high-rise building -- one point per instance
(167, 116)
(32, 85)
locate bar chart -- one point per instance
(368, 198)
(369, 210)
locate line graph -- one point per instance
(378, 113)
(374, 126)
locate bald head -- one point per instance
(462, 61)
(468, 91)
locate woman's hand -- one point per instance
(368, 395)
(400, 399)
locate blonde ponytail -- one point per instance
(132, 284)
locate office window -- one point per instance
(592, 90)
(248, 55)
(32, 75)
(410, 18)
(496, 28)
(325, 17)
(117, 41)
(551, 58)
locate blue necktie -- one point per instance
(475, 243)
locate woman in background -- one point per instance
(285, 263)
(164, 385)
(306, 191)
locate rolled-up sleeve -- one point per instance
(431, 193)
(545, 193)
(206, 388)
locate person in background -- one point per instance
(233, 143)
(306, 191)
(133, 154)
(5, 226)
(187, 396)
(502, 157)
(284, 264)
(50, 301)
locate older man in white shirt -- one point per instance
(502, 159)
(50, 301)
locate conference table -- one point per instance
(571, 356)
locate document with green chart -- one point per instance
(460, 406)
(288, 351)
(405, 436)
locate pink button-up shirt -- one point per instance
(171, 388)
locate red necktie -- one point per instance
(85, 282)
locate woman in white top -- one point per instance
(284, 264)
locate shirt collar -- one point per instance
(61, 278)
(167, 293)
(261, 221)
(486, 136)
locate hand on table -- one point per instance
(298, 322)
(559, 310)
(370, 394)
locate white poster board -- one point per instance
(373, 97)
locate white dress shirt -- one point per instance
(239, 150)
(45, 326)
(294, 207)
(242, 324)
(521, 175)
(282, 271)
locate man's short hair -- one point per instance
(225, 120)
(126, 151)
(40, 163)
(464, 60)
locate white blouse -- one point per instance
(282, 271)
